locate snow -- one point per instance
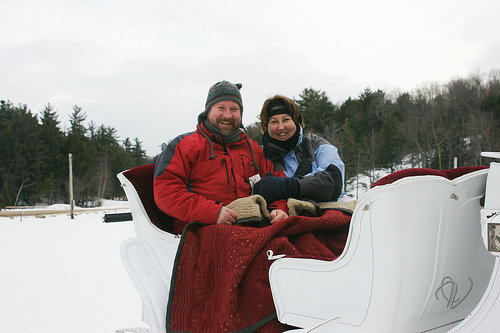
(357, 186)
(60, 275)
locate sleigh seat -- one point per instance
(413, 260)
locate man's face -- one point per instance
(225, 116)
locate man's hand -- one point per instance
(277, 215)
(226, 216)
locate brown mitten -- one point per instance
(344, 205)
(252, 210)
(300, 207)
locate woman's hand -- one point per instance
(275, 188)
(278, 215)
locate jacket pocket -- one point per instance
(248, 167)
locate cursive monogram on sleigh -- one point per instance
(450, 293)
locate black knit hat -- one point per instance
(277, 106)
(222, 91)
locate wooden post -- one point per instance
(71, 201)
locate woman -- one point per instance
(313, 167)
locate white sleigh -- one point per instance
(414, 260)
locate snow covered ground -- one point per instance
(59, 275)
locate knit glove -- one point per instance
(275, 188)
(300, 207)
(252, 210)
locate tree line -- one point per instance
(426, 128)
(429, 127)
(34, 154)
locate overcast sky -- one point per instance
(144, 66)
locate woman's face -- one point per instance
(281, 127)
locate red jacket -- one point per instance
(195, 177)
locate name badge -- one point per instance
(254, 179)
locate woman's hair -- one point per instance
(293, 111)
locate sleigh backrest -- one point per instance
(150, 223)
(141, 179)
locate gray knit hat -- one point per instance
(222, 91)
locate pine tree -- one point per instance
(85, 161)
(54, 157)
(138, 153)
(316, 108)
(19, 151)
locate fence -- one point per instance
(76, 210)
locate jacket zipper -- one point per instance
(227, 171)
(234, 177)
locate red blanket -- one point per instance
(220, 280)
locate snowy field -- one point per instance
(60, 275)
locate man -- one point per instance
(202, 171)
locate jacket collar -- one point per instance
(218, 138)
